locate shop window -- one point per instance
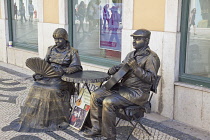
(195, 42)
(23, 24)
(97, 30)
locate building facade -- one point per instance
(100, 30)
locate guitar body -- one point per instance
(117, 76)
(78, 102)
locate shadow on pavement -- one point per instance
(25, 137)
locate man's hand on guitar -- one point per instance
(113, 70)
(132, 63)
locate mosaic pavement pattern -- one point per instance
(14, 87)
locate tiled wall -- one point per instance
(192, 105)
(18, 56)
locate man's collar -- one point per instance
(143, 51)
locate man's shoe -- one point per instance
(92, 134)
(113, 138)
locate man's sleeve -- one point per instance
(149, 72)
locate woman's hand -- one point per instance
(59, 70)
(70, 70)
(37, 77)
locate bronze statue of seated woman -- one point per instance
(47, 106)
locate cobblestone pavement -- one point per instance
(14, 87)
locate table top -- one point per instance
(86, 77)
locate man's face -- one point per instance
(60, 42)
(138, 42)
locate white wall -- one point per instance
(169, 53)
(4, 36)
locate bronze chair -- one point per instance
(136, 113)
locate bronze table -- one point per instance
(86, 77)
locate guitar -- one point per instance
(79, 101)
(122, 72)
(117, 76)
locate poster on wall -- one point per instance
(111, 24)
(82, 106)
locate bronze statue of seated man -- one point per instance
(133, 88)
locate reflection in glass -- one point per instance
(98, 29)
(198, 44)
(25, 19)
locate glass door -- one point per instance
(97, 30)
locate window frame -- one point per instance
(183, 77)
(88, 59)
(10, 26)
(9, 9)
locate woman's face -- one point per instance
(60, 42)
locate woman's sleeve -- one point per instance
(75, 64)
(47, 57)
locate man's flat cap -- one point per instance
(142, 33)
